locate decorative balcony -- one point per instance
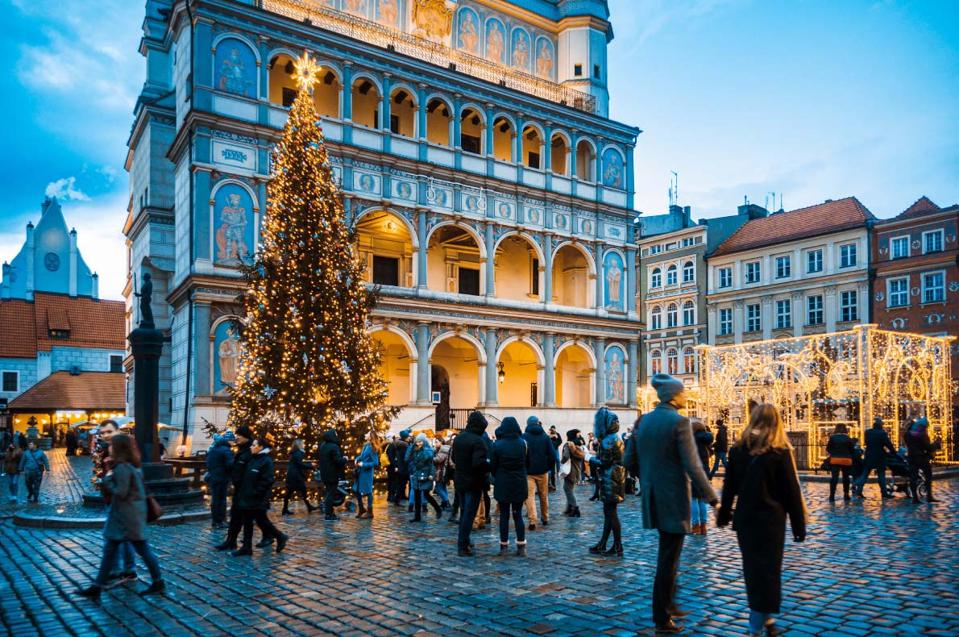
(313, 12)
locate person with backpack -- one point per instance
(254, 496)
(570, 470)
(11, 468)
(331, 463)
(33, 464)
(508, 463)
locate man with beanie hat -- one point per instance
(667, 461)
(472, 467)
(542, 457)
(243, 455)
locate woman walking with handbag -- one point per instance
(126, 517)
(761, 477)
(841, 449)
(422, 475)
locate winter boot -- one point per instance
(503, 548)
(576, 513)
(616, 549)
(521, 549)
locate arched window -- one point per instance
(672, 315)
(532, 147)
(585, 161)
(656, 362)
(503, 139)
(656, 318)
(689, 360)
(403, 113)
(366, 103)
(472, 131)
(672, 361)
(689, 313)
(656, 278)
(689, 272)
(672, 273)
(558, 154)
(438, 118)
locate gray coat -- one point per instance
(667, 461)
(127, 516)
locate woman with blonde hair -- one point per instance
(762, 478)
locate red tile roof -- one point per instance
(63, 391)
(25, 325)
(824, 218)
(922, 206)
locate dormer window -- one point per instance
(58, 334)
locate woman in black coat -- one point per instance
(703, 438)
(508, 464)
(296, 472)
(253, 498)
(841, 450)
(761, 477)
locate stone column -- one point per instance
(600, 302)
(799, 313)
(492, 384)
(712, 326)
(632, 373)
(767, 316)
(421, 237)
(548, 268)
(831, 306)
(599, 351)
(738, 321)
(490, 261)
(549, 373)
(630, 275)
(423, 364)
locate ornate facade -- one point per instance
(490, 193)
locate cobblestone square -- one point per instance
(867, 568)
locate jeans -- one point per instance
(538, 485)
(13, 484)
(471, 500)
(721, 456)
(262, 520)
(569, 489)
(419, 495)
(757, 621)
(109, 559)
(506, 509)
(699, 511)
(834, 480)
(218, 501)
(880, 467)
(443, 493)
(127, 559)
(664, 585)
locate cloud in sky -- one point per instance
(65, 190)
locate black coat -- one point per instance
(242, 456)
(470, 459)
(704, 441)
(840, 446)
(542, 453)
(919, 447)
(722, 439)
(877, 442)
(331, 460)
(297, 470)
(766, 490)
(256, 486)
(508, 464)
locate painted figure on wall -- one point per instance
(389, 12)
(433, 19)
(226, 348)
(521, 49)
(495, 41)
(612, 169)
(356, 7)
(469, 33)
(615, 376)
(544, 59)
(613, 273)
(235, 67)
(232, 218)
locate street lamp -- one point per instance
(501, 374)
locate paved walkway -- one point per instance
(867, 568)
(64, 484)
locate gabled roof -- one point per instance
(66, 391)
(921, 207)
(825, 218)
(25, 325)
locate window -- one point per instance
(814, 261)
(656, 318)
(578, 70)
(689, 313)
(688, 241)
(784, 314)
(898, 292)
(783, 267)
(848, 306)
(116, 363)
(752, 272)
(470, 143)
(11, 382)
(672, 274)
(672, 315)
(386, 270)
(725, 277)
(58, 334)
(656, 249)
(596, 71)
(534, 277)
(689, 360)
(656, 362)
(469, 281)
(754, 321)
(847, 255)
(725, 321)
(932, 241)
(656, 278)
(814, 315)
(672, 361)
(899, 247)
(289, 96)
(689, 272)
(933, 287)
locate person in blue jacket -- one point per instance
(219, 465)
(366, 462)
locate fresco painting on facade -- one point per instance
(469, 31)
(356, 7)
(612, 169)
(235, 67)
(520, 47)
(389, 12)
(544, 58)
(233, 221)
(614, 281)
(495, 40)
(615, 367)
(226, 356)
(433, 19)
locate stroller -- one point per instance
(900, 471)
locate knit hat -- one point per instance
(245, 431)
(405, 434)
(229, 436)
(667, 387)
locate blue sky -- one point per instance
(810, 99)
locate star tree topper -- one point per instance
(306, 72)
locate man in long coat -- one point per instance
(667, 461)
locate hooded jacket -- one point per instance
(469, 455)
(219, 462)
(296, 470)
(331, 460)
(918, 445)
(256, 487)
(509, 462)
(542, 453)
(612, 474)
(422, 469)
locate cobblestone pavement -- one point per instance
(65, 483)
(867, 568)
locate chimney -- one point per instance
(95, 287)
(31, 260)
(752, 211)
(73, 262)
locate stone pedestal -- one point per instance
(147, 345)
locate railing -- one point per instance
(428, 51)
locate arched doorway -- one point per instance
(517, 266)
(519, 365)
(385, 245)
(458, 361)
(454, 261)
(396, 361)
(575, 371)
(571, 271)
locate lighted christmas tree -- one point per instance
(307, 361)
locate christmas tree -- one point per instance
(307, 362)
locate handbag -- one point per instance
(840, 462)
(154, 510)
